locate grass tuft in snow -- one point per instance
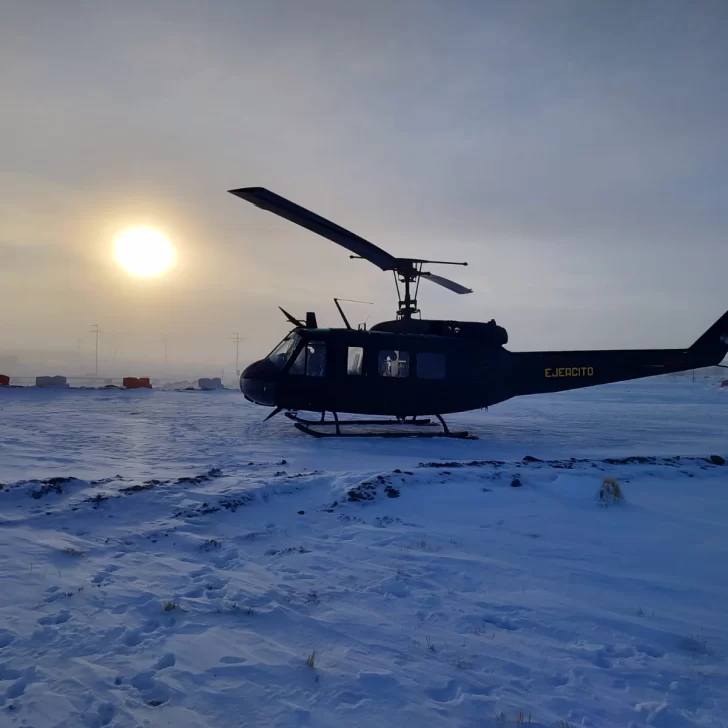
(610, 492)
(519, 719)
(97, 500)
(696, 643)
(211, 544)
(171, 606)
(311, 660)
(73, 551)
(426, 545)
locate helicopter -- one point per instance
(409, 370)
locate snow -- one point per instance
(169, 560)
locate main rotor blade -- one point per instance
(267, 200)
(446, 283)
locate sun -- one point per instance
(144, 252)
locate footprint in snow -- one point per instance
(501, 622)
(8, 673)
(445, 694)
(594, 654)
(378, 682)
(349, 699)
(7, 637)
(201, 572)
(105, 573)
(18, 687)
(62, 616)
(152, 691)
(622, 651)
(195, 593)
(393, 586)
(131, 638)
(213, 593)
(650, 651)
(166, 660)
(149, 626)
(143, 680)
(226, 560)
(103, 715)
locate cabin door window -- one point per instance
(311, 360)
(355, 360)
(393, 363)
(430, 366)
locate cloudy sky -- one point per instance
(575, 153)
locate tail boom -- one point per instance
(556, 371)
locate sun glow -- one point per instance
(144, 252)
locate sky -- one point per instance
(574, 153)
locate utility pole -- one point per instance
(96, 330)
(237, 339)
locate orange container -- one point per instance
(136, 383)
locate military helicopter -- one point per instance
(409, 368)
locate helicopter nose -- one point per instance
(259, 384)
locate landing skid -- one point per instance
(319, 428)
(336, 421)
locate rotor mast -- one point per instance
(408, 272)
(407, 275)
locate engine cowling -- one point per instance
(489, 333)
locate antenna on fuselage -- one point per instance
(341, 311)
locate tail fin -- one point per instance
(714, 342)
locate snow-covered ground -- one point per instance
(170, 561)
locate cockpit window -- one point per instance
(279, 355)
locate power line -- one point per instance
(237, 339)
(96, 330)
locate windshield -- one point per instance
(280, 354)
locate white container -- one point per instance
(207, 384)
(51, 382)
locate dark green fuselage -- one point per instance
(441, 374)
